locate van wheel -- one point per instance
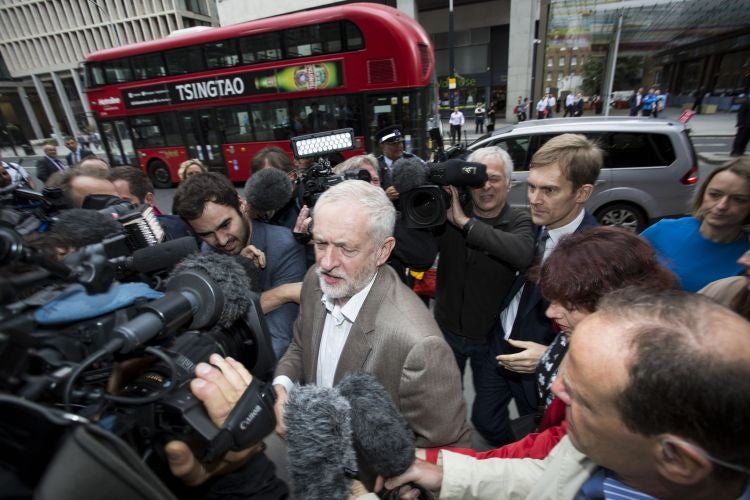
(622, 215)
(159, 174)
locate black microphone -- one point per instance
(408, 173)
(321, 458)
(457, 173)
(161, 256)
(204, 289)
(268, 189)
(382, 437)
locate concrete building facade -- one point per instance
(44, 42)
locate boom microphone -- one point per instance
(204, 289)
(457, 173)
(408, 173)
(382, 437)
(268, 189)
(321, 458)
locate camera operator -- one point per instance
(134, 186)
(482, 247)
(209, 203)
(77, 184)
(240, 474)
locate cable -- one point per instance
(168, 386)
(111, 346)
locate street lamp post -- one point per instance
(451, 64)
(112, 26)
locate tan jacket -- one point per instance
(396, 339)
(559, 476)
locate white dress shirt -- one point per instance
(338, 322)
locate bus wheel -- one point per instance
(159, 174)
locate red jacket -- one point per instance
(552, 428)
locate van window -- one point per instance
(638, 150)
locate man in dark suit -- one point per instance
(77, 152)
(391, 141)
(357, 315)
(561, 179)
(49, 163)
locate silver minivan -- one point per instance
(650, 167)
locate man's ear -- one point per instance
(584, 193)
(243, 206)
(384, 252)
(679, 461)
(149, 199)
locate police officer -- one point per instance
(391, 142)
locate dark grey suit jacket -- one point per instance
(396, 339)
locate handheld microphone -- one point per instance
(321, 458)
(408, 174)
(268, 189)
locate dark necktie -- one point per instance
(58, 164)
(541, 243)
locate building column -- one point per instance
(84, 100)
(65, 102)
(409, 7)
(39, 85)
(30, 112)
(523, 15)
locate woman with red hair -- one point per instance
(581, 270)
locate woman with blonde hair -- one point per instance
(705, 246)
(190, 167)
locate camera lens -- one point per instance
(424, 207)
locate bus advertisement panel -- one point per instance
(222, 94)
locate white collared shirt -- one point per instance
(338, 322)
(557, 233)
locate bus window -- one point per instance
(184, 60)
(171, 129)
(236, 123)
(116, 141)
(147, 132)
(148, 66)
(327, 113)
(221, 54)
(260, 48)
(95, 75)
(270, 121)
(354, 39)
(313, 40)
(117, 71)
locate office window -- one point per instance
(561, 61)
(573, 60)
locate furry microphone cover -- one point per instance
(381, 435)
(228, 275)
(321, 457)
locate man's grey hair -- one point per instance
(355, 163)
(379, 210)
(482, 155)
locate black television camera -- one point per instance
(68, 361)
(422, 199)
(318, 177)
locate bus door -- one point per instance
(203, 139)
(117, 142)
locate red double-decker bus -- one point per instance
(221, 94)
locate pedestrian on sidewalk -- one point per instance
(479, 113)
(456, 121)
(742, 136)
